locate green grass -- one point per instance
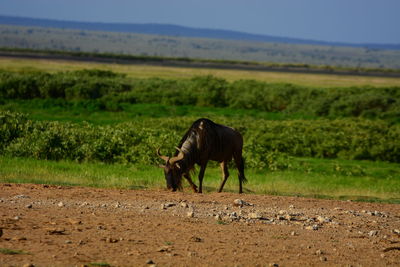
(60, 110)
(7, 251)
(148, 71)
(20, 170)
(372, 181)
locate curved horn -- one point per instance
(165, 158)
(180, 156)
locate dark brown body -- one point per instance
(204, 141)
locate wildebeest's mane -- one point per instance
(209, 135)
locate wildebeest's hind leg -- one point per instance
(239, 161)
(187, 176)
(225, 174)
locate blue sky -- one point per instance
(352, 21)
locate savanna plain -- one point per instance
(80, 183)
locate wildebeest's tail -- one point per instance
(241, 171)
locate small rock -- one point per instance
(322, 219)
(238, 202)
(196, 239)
(21, 196)
(323, 258)
(117, 205)
(218, 217)
(396, 231)
(282, 212)
(169, 204)
(164, 249)
(60, 204)
(184, 205)
(28, 265)
(312, 227)
(254, 215)
(16, 218)
(293, 233)
(190, 214)
(56, 231)
(291, 207)
(149, 262)
(111, 240)
(319, 252)
(273, 265)
(288, 217)
(29, 206)
(373, 233)
(68, 242)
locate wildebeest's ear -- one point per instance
(178, 166)
(161, 166)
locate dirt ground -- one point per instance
(75, 226)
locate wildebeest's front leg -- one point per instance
(187, 176)
(225, 174)
(201, 175)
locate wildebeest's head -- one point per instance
(172, 170)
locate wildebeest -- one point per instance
(204, 141)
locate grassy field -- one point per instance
(379, 181)
(147, 71)
(314, 177)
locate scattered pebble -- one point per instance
(323, 258)
(196, 239)
(60, 204)
(322, 219)
(111, 240)
(254, 215)
(238, 202)
(21, 196)
(373, 233)
(312, 227)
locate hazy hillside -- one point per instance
(202, 48)
(177, 31)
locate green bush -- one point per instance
(112, 90)
(268, 144)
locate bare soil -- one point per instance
(75, 226)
